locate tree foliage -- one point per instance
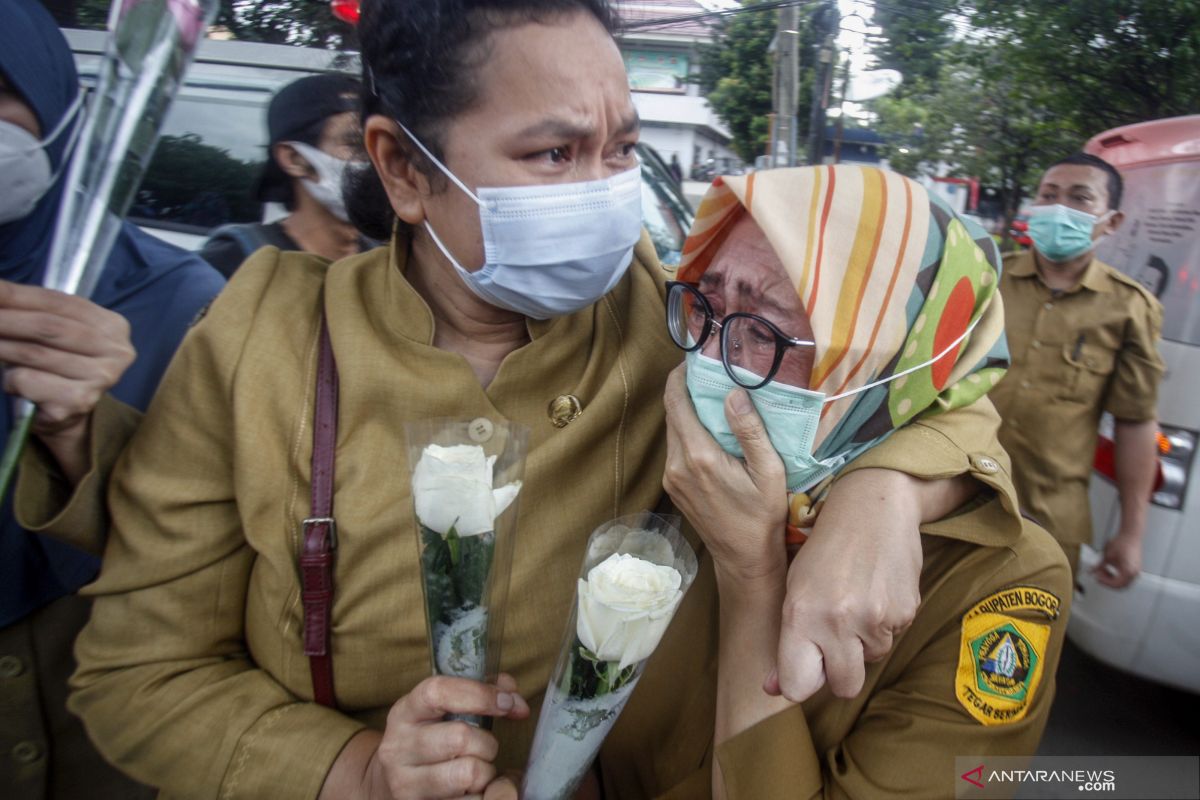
(1021, 83)
(737, 74)
(308, 23)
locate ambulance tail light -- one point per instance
(1176, 447)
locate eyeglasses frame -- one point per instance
(782, 340)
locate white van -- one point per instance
(214, 142)
(1152, 627)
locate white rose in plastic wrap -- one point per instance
(625, 605)
(452, 487)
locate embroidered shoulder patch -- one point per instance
(1000, 656)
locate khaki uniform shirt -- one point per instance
(933, 697)
(1075, 354)
(192, 675)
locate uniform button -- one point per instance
(26, 752)
(480, 430)
(1036, 344)
(985, 464)
(1025, 384)
(1048, 306)
(10, 667)
(563, 410)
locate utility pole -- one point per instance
(826, 22)
(787, 79)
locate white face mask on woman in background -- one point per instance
(327, 188)
(25, 173)
(550, 249)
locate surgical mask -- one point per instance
(791, 415)
(25, 166)
(327, 189)
(550, 249)
(1060, 233)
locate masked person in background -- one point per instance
(63, 353)
(314, 133)
(1084, 340)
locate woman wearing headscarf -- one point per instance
(823, 310)
(63, 353)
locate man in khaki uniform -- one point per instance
(1083, 341)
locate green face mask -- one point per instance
(1061, 233)
(791, 417)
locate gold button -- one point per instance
(985, 464)
(26, 752)
(564, 409)
(1036, 344)
(1048, 306)
(10, 667)
(1025, 384)
(480, 430)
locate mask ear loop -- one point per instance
(74, 110)
(949, 348)
(439, 164)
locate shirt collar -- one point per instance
(1024, 266)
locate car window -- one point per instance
(665, 213)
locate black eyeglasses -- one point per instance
(751, 347)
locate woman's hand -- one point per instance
(855, 585)
(63, 353)
(421, 755)
(738, 508)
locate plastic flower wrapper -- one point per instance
(466, 477)
(634, 576)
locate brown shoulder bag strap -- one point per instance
(320, 529)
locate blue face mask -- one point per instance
(790, 414)
(1060, 233)
(551, 249)
(791, 417)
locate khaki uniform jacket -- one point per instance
(1075, 355)
(192, 675)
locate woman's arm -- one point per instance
(739, 509)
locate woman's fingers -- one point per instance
(462, 776)
(434, 698)
(762, 462)
(445, 741)
(801, 668)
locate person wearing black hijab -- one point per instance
(63, 353)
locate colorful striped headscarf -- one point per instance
(889, 277)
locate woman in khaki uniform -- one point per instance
(193, 675)
(848, 347)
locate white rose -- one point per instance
(452, 487)
(625, 605)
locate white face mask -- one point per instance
(25, 174)
(327, 189)
(551, 249)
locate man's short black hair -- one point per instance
(1115, 183)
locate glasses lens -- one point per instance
(748, 347)
(686, 316)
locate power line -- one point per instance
(715, 15)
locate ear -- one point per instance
(1114, 222)
(405, 185)
(291, 162)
